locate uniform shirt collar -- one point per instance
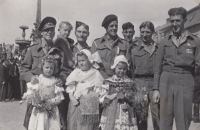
(41, 45)
(142, 45)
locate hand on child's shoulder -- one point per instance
(34, 80)
(59, 82)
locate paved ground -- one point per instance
(12, 116)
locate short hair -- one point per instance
(148, 24)
(178, 11)
(66, 23)
(127, 26)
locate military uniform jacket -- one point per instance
(29, 65)
(143, 62)
(182, 59)
(108, 52)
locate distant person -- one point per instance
(14, 85)
(109, 46)
(3, 80)
(176, 73)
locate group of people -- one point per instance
(110, 85)
(9, 75)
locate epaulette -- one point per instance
(98, 38)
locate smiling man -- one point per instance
(128, 32)
(177, 67)
(109, 46)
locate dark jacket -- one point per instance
(182, 59)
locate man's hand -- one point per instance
(156, 96)
(34, 80)
(59, 83)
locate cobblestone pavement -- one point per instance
(12, 116)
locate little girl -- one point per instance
(45, 114)
(83, 86)
(118, 98)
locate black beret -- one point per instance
(48, 22)
(108, 19)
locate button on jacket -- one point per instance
(182, 58)
(107, 50)
(142, 60)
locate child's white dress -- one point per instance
(39, 120)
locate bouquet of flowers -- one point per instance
(140, 103)
(33, 96)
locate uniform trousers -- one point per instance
(147, 84)
(176, 98)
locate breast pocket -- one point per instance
(37, 58)
(188, 51)
(139, 59)
(170, 51)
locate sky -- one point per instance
(14, 13)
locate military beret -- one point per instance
(48, 22)
(108, 19)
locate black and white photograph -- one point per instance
(100, 65)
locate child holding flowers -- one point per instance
(118, 99)
(45, 96)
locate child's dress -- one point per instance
(118, 113)
(40, 120)
(84, 86)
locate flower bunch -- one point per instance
(33, 96)
(140, 103)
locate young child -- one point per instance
(64, 43)
(117, 96)
(45, 96)
(83, 86)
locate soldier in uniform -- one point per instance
(29, 66)
(143, 62)
(128, 33)
(109, 46)
(176, 70)
(82, 33)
